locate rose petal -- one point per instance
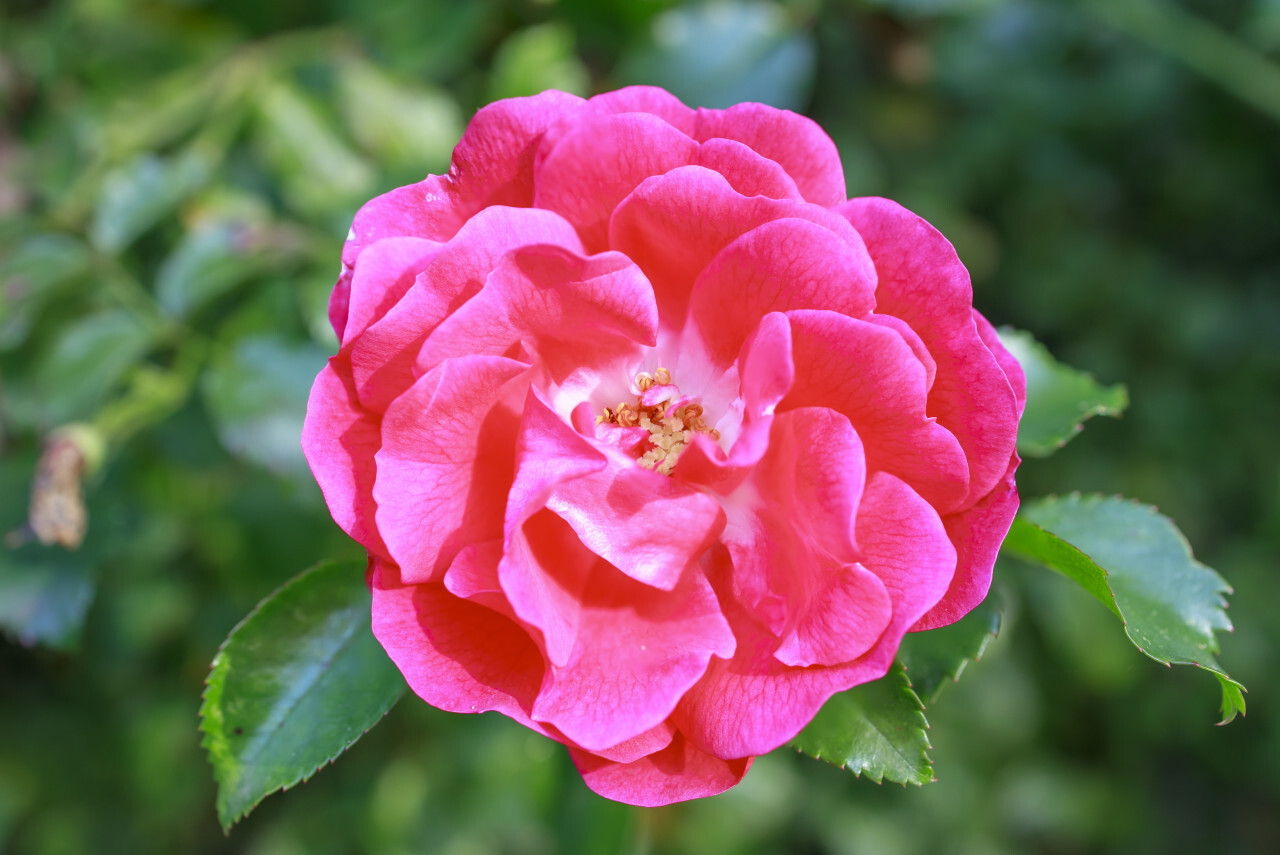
(547, 297)
(383, 273)
(454, 654)
(339, 440)
(795, 142)
(784, 264)
(672, 225)
(446, 462)
(747, 172)
(869, 373)
(645, 99)
(599, 162)
(923, 282)
(679, 772)
(383, 357)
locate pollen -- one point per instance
(671, 428)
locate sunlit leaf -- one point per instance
(138, 195)
(538, 58)
(45, 593)
(401, 125)
(1137, 563)
(295, 684)
(1059, 399)
(211, 260)
(876, 729)
(939, 656)
(257, 393)
(31, 275)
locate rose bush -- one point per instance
(655, 440)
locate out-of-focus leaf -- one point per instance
(876, 729)
(295, 684)
(1059, 399)
(720, 53)
(257, 393)
(140, 194)
(1170, 603)
(318, 172)
(408, 126)
(212, 259)
(940, 655)
(535, 59)
(45, 593)
(31, 275)
(86, 361)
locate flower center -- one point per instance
(670, 418)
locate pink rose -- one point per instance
(655, 440)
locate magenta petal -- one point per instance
(784, 264)
(923, 282)
(649, 526)
(546, 297)
(597, 164)
(645, 99)
(651, 741)
(445, 463)
(747, 172)
(383, 273)
(382, 359)
(637, 651)
(869, 373)
(844, 618)
(430, 209)
(672, 225)
(797, 143)
(678, 773)
(455, 654)
(339, 440)
(1012, 370)
(977, 534)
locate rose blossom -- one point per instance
(654, 439)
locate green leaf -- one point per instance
(212, 259)
(538, 58)
(257, 393)
(401, 125)
(32, 274)
(1137, 563)
(876, 729)
(295, 684)
(940, 655)
(45, 593)
(1059, 399)
(137, 196)
(87, 360)
(722, 53)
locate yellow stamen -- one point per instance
(669, 434)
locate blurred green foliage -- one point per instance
(176, 179)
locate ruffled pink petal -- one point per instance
(624, 652)
(672, 225)
(747, 172)
(473, 575)
(645, 99)
(383, 357)
(431, 209)
(446, 462)
(651, 741)
(455, 654)
(493, 164)
(977, 534)
(753, 703)
(923, 282)
(599, 162)
(678, 773)
(340, 303)
(574, 312)
(1012, 370)
(870, 374)
(797, 143)
(339, 440)
(383, 273)
(784, 264)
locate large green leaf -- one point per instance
(142, 193)
(940, 655)
(1059, 399)
(876, 729)
(1138, 564)
(45, 593)
(295, 684)
(32, 274)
